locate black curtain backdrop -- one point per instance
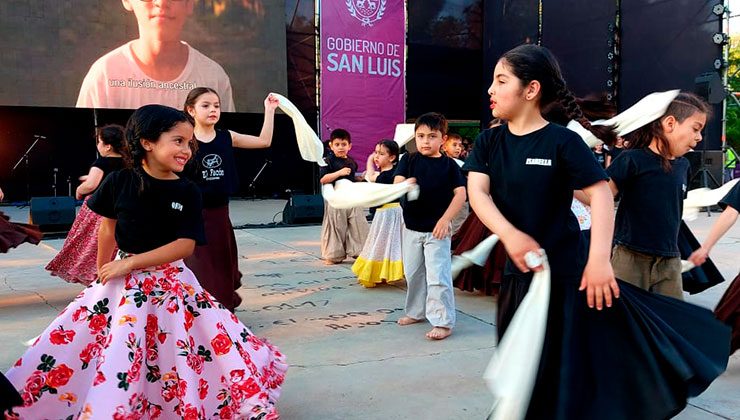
(577, 32)
(667, 45)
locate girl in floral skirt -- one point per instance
(381, 260)
(76, 261)
(146, 341)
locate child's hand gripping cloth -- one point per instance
(699, 198)
(513, 368)
(309, 144)
(476, 256)
(645, 111)
(345, 194)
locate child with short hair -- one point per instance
(156, 66)
(76, 261)
(600, 155)
(651, 177)
(426, 237)
(453, 147)
(343, 231)
(146, 341)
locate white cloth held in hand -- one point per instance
(513, 368)
(345, 194)
(699, 198)
(309, 145)
(645, 111)
(476, 256)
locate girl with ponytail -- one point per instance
(600, 363)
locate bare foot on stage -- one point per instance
(407, 320)
(439, 333)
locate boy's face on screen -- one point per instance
(428, 141)
(161, 19)
(340, 147)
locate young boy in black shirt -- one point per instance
(426, 236)
(343, 231)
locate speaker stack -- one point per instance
(304, 209)
(53, 214)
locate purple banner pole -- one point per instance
(362, 83)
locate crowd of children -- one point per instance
(154, 242)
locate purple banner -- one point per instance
(363, 46)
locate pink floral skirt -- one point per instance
(76, 262)
(151, 345)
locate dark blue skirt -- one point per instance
(641, 359)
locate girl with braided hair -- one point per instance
(608, 347)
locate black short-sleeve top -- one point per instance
(334, 164)
(532, 181)
(437, 178)
(732, 199)
(164, 211)
(108, 164)
(651, 205)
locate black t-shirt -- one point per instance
(532, 181)
(213, 169)
(732, 199)
(164, 211)
(600, 159)
(437, 179)
(651, 205)
(386, 177)
(108, 165)
(334, 164)
(615, 151)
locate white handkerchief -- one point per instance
(345, 194)
(699, 198)
(309, 144)
(513, 368)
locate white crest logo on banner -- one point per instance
(366, 11)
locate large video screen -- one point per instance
(128, 53)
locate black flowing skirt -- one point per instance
(699, 278)
(216, 264)
(9, 396)
(641, 359)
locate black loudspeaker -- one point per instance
(304, 209)
(712, 166)
(53, 214)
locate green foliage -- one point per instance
(733, 107)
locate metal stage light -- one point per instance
(720, 38)
(719, 9)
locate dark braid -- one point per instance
(532, 62)
(573, 111)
